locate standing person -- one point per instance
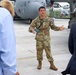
(7, 39)
(71, 68)
(42, 25)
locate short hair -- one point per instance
(42, 7)
(8, 5)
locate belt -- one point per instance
(42, 29)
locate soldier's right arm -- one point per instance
(32, 26)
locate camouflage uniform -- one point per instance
(43, 36)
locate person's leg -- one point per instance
(67, 70)
(39, 47)
(73, 70)
(1, 70)
(49, 55)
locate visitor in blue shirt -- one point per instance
(7, 40)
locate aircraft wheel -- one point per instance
(14, 18)
(68, 27)
(30, 20)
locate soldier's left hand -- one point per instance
(62, 27)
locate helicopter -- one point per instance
(28, 9)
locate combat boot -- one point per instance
(39, 65)
(52, 66)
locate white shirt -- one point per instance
(7, 44)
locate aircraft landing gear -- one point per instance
(69, 24)
(30, 20)
(68, 27)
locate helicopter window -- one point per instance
(13, 2)
(25, 4)
(42, 2)
(28, 1)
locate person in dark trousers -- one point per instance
(71, 68)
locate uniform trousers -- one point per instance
(43, 45)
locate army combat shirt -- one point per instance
(43, 31)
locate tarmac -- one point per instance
(26, 49)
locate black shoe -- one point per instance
(63, 73)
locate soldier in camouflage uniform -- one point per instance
(42, 24)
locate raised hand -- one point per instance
(62, 27)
